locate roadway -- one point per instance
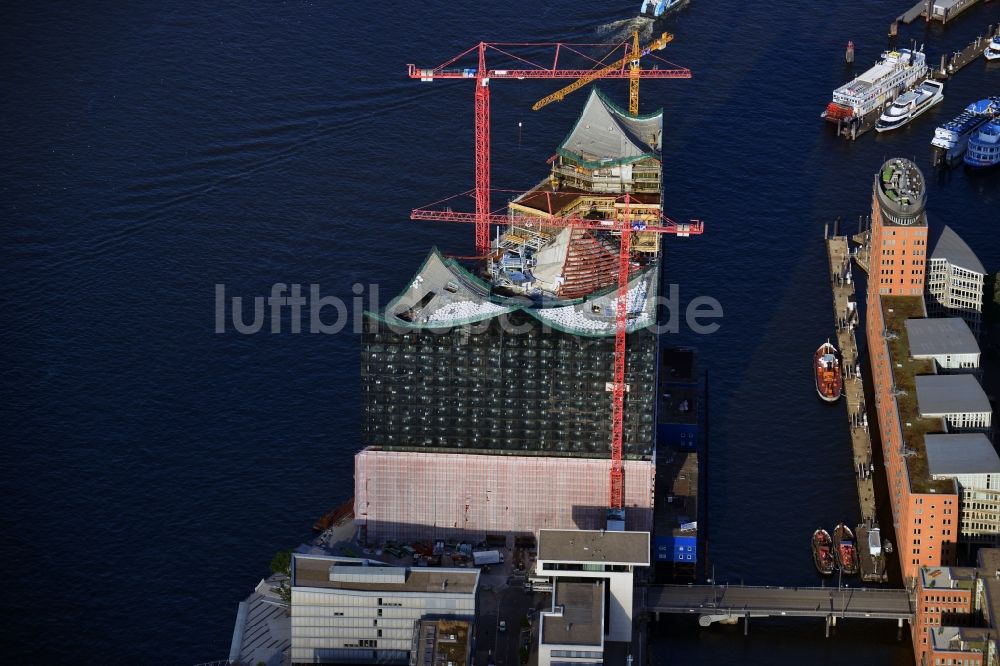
(857, 602)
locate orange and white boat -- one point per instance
(829, 376)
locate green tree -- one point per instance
(281, 564)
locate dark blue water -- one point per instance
(152, 467)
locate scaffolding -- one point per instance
(411, 495)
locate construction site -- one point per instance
(520, 394)
(518, 390)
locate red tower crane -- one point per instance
(523, 67)
(528, 66)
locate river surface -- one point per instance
(152, 466)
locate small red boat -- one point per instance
(822, 548)
(829, 377)
(847, 552)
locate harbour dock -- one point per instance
(953, 62)
(936, 10)
(872, 566)
(846, 318)
(950, 64)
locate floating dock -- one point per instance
(846, 318)
(872, 566)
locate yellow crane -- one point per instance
(631, 58)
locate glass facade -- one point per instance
(486, 389)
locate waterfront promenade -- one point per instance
(846, 318)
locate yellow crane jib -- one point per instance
(633, 56)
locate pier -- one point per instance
(846, 317)
(728, 604)
(931, 12)
(950, 64)
(953, 62)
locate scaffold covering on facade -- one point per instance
(409, 495)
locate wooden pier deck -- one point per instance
(846, 318)
(956, 60)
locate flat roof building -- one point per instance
(594, 546)
(589, 556)
(963, 455)
(574, 628)
(947, 341)
(358, 611)
(922, 508)
(959, 399)
(441, 643)
(957, 613)
(973, 463)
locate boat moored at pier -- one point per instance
(895, 72)
(847, 551)
(984, 146)
(953, 137)
(910, 104)
(829, 377)
(822, 550)
(992, 51)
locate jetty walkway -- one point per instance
(729, 603)
(846, 318)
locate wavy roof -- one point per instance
(606, 135)
(443, 294)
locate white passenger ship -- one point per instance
(909, 105)
(895, 72)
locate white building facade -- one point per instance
(958, 399)
(346, 610)
(972, 462)
(948, 341)
(955, 279)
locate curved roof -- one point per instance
(605, 135)
(954, 250)
(443, 294)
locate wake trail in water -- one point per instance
(624, 28)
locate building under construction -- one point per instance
(487, 391)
